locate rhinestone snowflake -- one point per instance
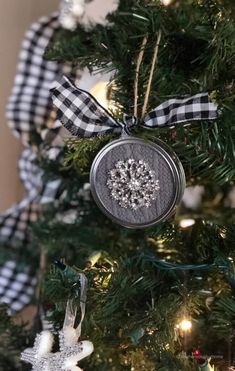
(133, 184)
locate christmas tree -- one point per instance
(160, 297)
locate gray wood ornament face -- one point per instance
(137, 183)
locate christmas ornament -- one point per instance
(206, 366)
(136, 183)
(204, 363)
(96, 12)
(70, 353)
(71, 11)
(70, 350)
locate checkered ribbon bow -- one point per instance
(83, 116)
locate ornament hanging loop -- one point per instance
(71, 310)
(137, 71)
(154, 61)
(70, 314)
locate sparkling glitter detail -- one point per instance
(133, 184)
(52, 361)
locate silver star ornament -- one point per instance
(70, 351)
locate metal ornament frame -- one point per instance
(168, 156)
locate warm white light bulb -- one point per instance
(185, 223)
(99, 91)
(166, 2)
(185, 325)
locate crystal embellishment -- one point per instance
(42, 358)
(133, 184)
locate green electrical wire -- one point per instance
(163, 265)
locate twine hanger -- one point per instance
(138, 64)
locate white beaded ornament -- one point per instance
(71, 11)
(70, 351)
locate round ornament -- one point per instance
(137, 183)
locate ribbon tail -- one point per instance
(196, 107)
(80, 113)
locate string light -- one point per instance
(185, 325)
(166, 2)
(185, 223)
(100, 92)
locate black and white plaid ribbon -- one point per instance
(15, 221)
(17, 284)
(82, 115)
(28, 111)
(29, 105)
(17, 281)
